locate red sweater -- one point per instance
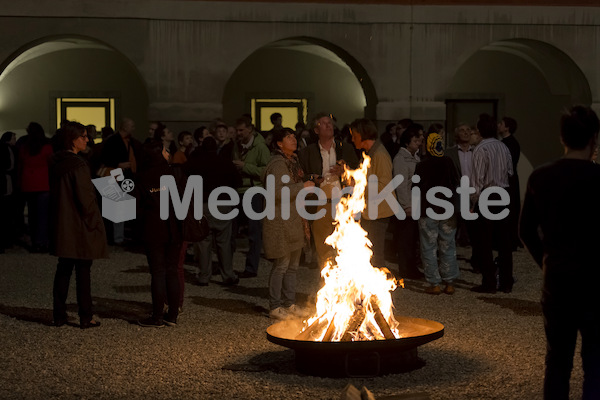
(34, 169)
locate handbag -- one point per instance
(195, 230)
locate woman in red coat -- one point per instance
(78, 235)
(33, 173)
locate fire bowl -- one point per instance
(368, 358)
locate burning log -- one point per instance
(330, 331)
(355, 322)
(380, 319)
(312, 329)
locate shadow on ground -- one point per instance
(140, 269)
(229, 305)
(129, 311)
(433, 361)
(126, 310)
(38, 315)
(524, 308)
(261, 292)
(280, 362)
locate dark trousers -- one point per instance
(181, 271)
(515, 209)
(38, 204)
(254, 236)
(64, 269)
(7, 226)
(163, 259)
(406, 239)
(487, 233)
(561, 323)
(376, 233)
(472, 231)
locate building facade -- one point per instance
(188, 62)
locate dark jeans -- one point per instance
(220, 234)
(376, 233)
(64, 269)
(254, 236)
(406, 239)
(487, 233)
(163, 259)
(561, 323)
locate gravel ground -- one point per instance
(493, 347)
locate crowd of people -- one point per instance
(240, 157)
(53, 178)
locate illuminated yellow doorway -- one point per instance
(87, 111)
(292, 111)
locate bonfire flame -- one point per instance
(355, 302)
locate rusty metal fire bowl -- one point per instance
(366, 358)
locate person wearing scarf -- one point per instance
(283, 238)
(437, 234)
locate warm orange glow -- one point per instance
(352, 285)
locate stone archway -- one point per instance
(532, 82)
(67, 66)
(331, 79)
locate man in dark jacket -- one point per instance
(121, 150)
(250, 157)
(323, 162)
(507, 128)
(77, 229)
(216, 172)
(558, 227)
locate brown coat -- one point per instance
(281, 237)
(77, 230)
(381, 166)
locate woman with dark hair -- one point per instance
(33, 173)
(283, 238)
(199, 135)
(162, 238)
(163, 135)
(78, 235)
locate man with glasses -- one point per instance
(323, 163)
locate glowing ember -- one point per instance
(355, 303)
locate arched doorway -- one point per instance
(320, 75)
(531, 81)
(60, 76)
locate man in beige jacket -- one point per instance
(364, 136)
